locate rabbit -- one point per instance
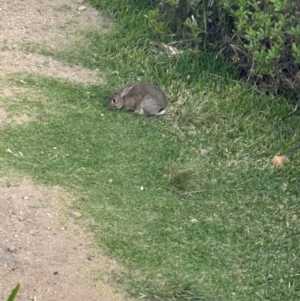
(144, 98)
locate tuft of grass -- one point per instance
(181, 178)
(62, 7)
(186, 177)
(191, 109)
(188, 292)
(183, 290)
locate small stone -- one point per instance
(203, 152)
(110, 181)
(82, 8)
(193, 221)
(76, 214)
(270, 277)
(55, 273)
(25, 197)
(48, 228)
(11, 248)
(182, 137)
(294, 217)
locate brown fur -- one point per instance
(144, 98)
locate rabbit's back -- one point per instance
(150, 99)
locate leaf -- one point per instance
(278, 161)
(14, 293)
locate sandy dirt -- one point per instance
(42, 245)
(43, 248)
(52, 24)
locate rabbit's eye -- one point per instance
(114, 100)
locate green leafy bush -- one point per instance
(262, 38)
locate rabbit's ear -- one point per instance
(126, 91)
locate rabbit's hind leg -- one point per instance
(141, 111)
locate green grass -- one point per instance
(14, 293)
(221, 225)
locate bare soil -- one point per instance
(17, 61)
(53, 24)
(43, 248)
(42, 245)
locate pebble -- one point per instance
(182, 137)
(76, 214)
(11, 248)
(82, 8)
(203, 151)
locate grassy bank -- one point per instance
(208, 217)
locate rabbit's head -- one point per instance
(116, 100)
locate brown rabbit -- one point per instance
(144, 98)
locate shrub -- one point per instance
(262, 38)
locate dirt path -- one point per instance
(41, 244)
(48, 24)
(42, 247)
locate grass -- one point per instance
(222, 224)
(14, 293)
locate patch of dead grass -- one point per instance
(15, 94)
(16, 61)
